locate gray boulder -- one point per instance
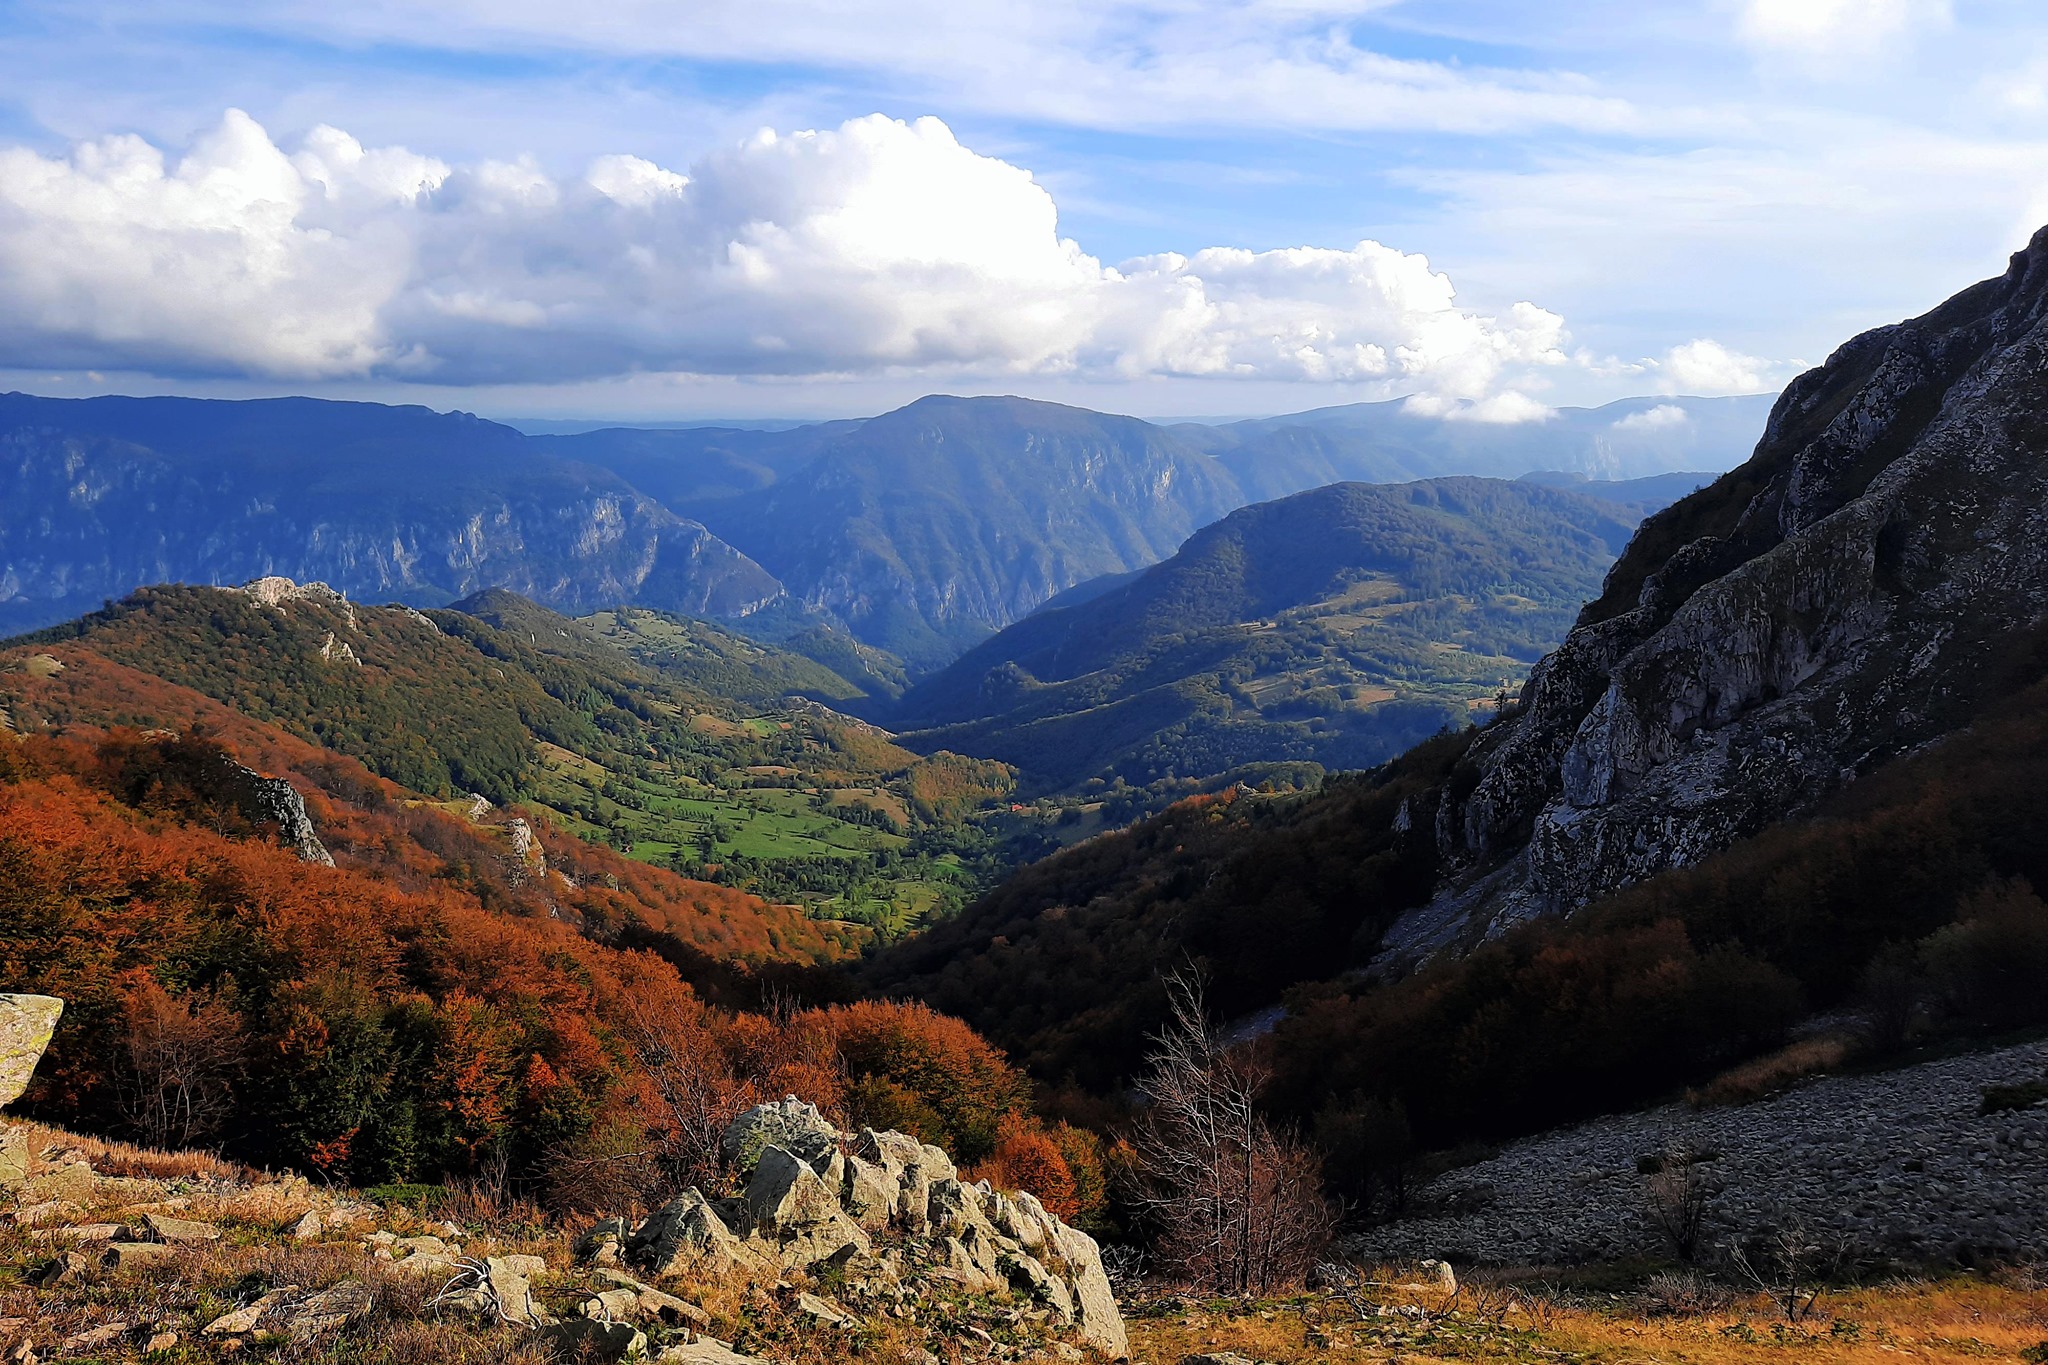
(26, 1023)
(790, 1124)
(687, 1236)
(590, 1339)
(796, 1212)
(1101, 1325)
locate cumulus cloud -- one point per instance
(1710, 369)
(1663, 417)
(876, 247)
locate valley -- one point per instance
(1062, 684)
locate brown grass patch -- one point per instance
(1780, 1070)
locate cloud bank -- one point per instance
(876, 247)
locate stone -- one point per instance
(26, 1023)
(792, 1125)
(309, 1227)
(67, 1268)
(894, 1152)
(179, 1231)
(511, 1291)
(70, 1181)
(604, 1243)
(686, 1236)
(332, 1308)
(1027, 1276)
(81, 1232)
(246, 1318)
(137, 1256)
(870, 1194)
(14, 1159)
(705, 1351)
(612, 1305)
(1095, 1310)
(794, 1211)
(654, 1304)
(823, 1310)
(93, 1338)
(588, 1339)
(1220, 1358)
(160, 1343)
(432, 1246)
(965, 1270)
(532, 1267)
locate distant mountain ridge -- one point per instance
(103, 495)
(916, 533)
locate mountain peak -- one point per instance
(1852, 591)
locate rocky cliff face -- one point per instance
(1843, 596)
(381, 502)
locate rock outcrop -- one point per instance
(1850, 592)
(26, 1023)
(885, 1212)
(271, 801)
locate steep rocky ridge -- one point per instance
(1846, 594)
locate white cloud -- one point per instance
(1123, 63)
(1663, 417)
(1834, 30)
(1709, 369)
(878, 247)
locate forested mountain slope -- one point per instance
(1791, 759)
(797, 804)
(1338, 626)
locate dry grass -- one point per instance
(141, 1163)
(1766, 1076)
(1961, 1319)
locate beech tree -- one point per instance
(1237, 1203)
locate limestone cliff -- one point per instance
(1845, 595)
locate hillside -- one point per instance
(934, 525)
(1339, 627)
(798, 806)
(104, 495)
(1790, 761)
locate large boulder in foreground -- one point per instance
(26, 1023)
(888, 1213)
(815, 1197)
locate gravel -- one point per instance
(1894, 1166)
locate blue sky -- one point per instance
(530, 208)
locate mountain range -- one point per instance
(915, 534)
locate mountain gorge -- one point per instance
(108, 494)
(1335, 627)
(932, 526)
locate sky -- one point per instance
(680, 209)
